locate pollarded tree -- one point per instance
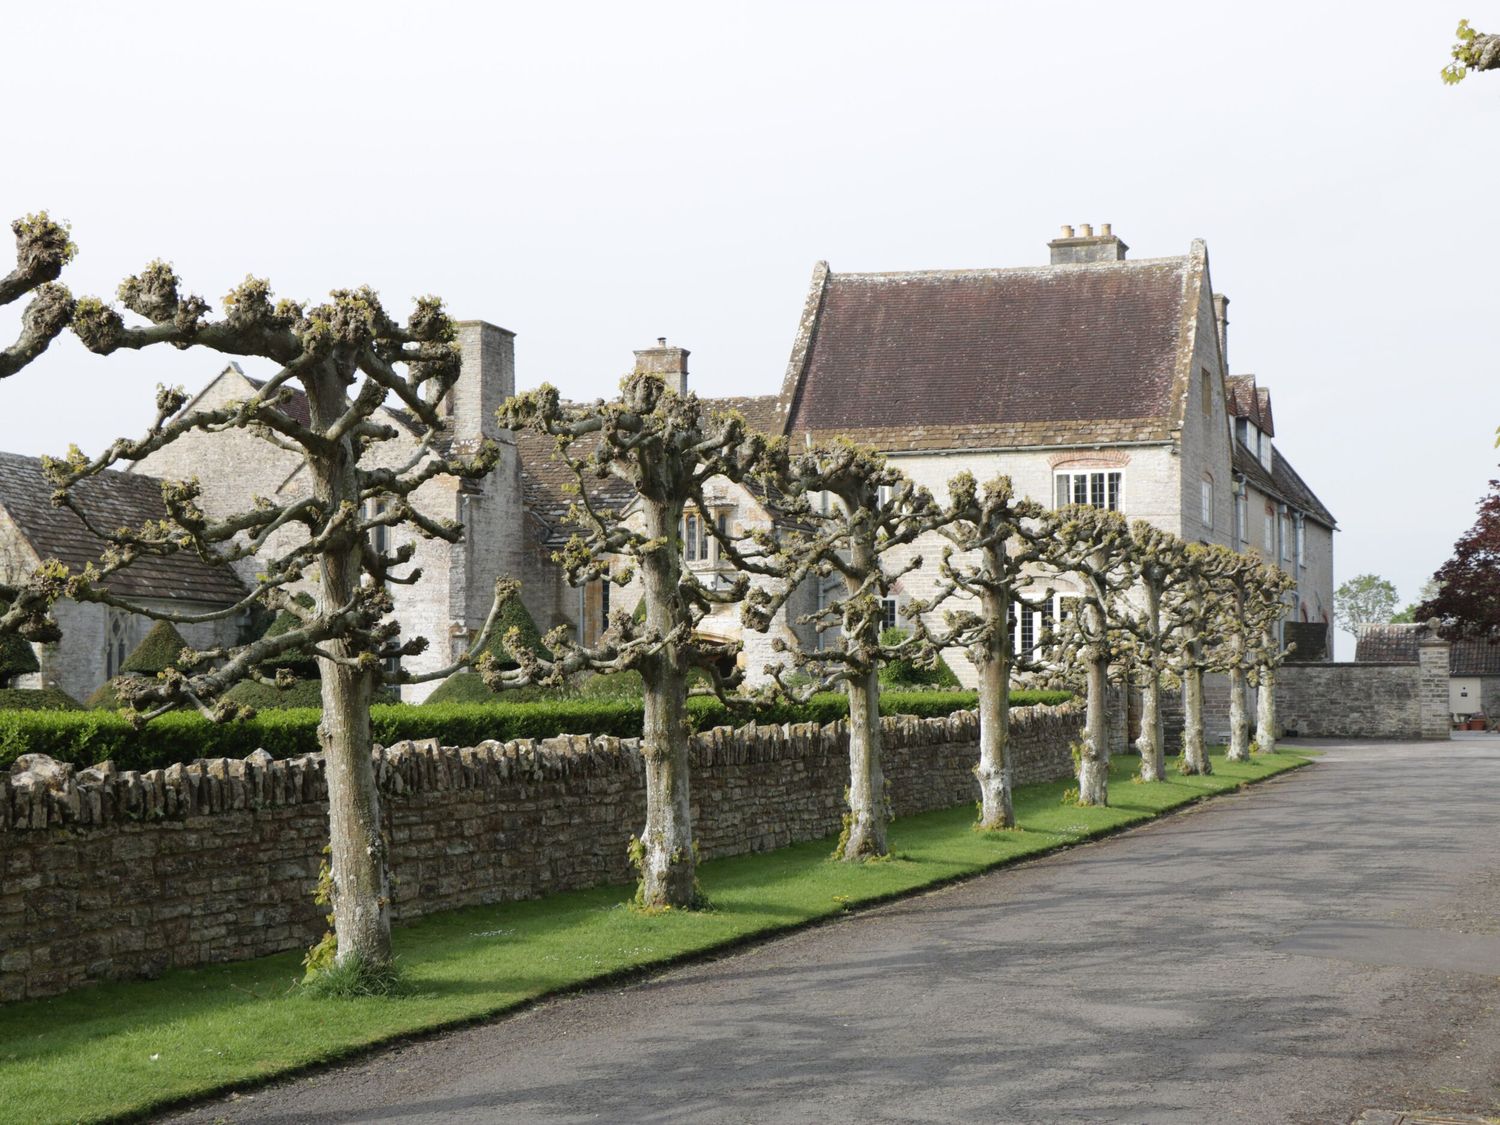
(1095, 547)
(666, 446)
(1191, 608)
(1473, 51)
(859, 537)
(1251, 604)
(43, 248)
(998, 537)
(1161, 562)
(1268, 656)
(347, 357)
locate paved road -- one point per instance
(1321, 944)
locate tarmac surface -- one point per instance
(1307, 950)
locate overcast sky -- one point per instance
(595, 176)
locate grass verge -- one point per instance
(121, 1050)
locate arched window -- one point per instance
(116, 642)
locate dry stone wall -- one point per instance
(107, 873)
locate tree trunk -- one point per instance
(357, 851)
(1239, 721)
(994, 770)
(1194, 752)
(1093, 763)
(668, 863)
(361, 892)
(1149, 742)
(864, 835)
(1265, 711)
(1153, 754)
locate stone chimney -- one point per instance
(1085, 246)
(487, 379)
(1221, 321)
(669, 363)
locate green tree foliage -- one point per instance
(1366, 599)
(1467, 595)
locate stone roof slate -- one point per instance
(547, 483)
(1052, 355)
(1282, 482)
(1386, 644)
(112, 500)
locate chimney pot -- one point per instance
(1086, 230)
(1104, 230)
(1067, 231)
(661, 341)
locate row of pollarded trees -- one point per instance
(1149, 608)
(844, 517)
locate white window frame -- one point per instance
(1284, 525)
(1241, 517)
(1270, 531)
(1300, 530)
(1206, 497)
(1085, 486)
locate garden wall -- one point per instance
(108, 873)
(1367, 700)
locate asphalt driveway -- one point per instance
(1315, 946)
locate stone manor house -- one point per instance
(1095, 378)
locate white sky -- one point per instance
(593, 176)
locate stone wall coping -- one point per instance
(40, 792)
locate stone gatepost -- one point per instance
(1432, 683)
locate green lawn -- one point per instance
(123, 1049)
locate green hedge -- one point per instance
(86, 737)
(37, 699)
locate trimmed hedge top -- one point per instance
(86, 737)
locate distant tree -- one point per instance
(666, 446)
(861, 535)
(43, 248)
(1095, 547)
(1467, 597)
(997, 538)
(1407, 614)
(1365, 599)
(347, 357)
(1473, 51)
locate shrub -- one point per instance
(908, 673)
(157, 652)
(86, 737)
(302, 693)
(104, 698)
(37, 699)
(17, 657)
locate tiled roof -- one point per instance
(1386, 644)
(547, 483)
(112, 500)
(762, 412)
(1282, 482)
(1474, 657)
(1263, 403)
(1033, 356)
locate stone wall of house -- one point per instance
(1368, 700)
(123, 874)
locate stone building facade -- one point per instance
(1096, 378)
